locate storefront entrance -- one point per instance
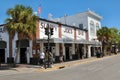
(81, 52)
(92, 52)
(67, 53)
(24, 44)
(3, 45)
(2, 55)
(23, 56)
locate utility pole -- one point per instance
(49, 47)
(48, 32)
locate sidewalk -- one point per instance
(73, 63)
(67, 64)
(23, 68)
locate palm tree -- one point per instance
(22, 22)
(104, 35)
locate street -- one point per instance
(103, 69)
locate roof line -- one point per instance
(61, 24)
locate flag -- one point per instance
(39, 9)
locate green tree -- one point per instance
(23, 22)
(119, 40)
(104, 35)
(115, 35)
(115, 39)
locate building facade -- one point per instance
(67, 40)
(5, 56)
(73, 39)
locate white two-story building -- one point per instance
(71, 41)
(73, 36)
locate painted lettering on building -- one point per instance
(44, 25)
(80, 32)
(68, 30)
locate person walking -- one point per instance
(42, 56)
(61, 57)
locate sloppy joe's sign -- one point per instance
(46, 24)
(71, 31)
(80, 32)
(68, 30)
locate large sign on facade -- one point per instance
(65, 32)
(80, 34)
(43, 25)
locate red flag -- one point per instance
(39, 9)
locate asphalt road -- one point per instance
(104, 69)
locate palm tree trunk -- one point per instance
(103, 50)
(17, 53)
(10, 46)
(10, 59)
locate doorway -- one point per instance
(92, 52)
(81, 52)
(2, 55)
(23, 56)
(67, 53)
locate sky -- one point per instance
(108, 9)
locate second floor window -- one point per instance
(97, 26)
(92, 28)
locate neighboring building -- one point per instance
(4, 48)
(73, 41)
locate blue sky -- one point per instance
(108, 9)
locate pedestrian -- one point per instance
(42, 57)
(99, 53)
(61, 57)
